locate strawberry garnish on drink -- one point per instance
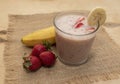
(90, 29)
(79, 23)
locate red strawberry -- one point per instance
(31, 63)
(38, 49)
(47, 58)
(79, 25)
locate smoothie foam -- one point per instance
(68, 24)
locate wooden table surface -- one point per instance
(46, 6)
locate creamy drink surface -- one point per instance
(74, 24)
(74, 38)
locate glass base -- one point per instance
(73, 64)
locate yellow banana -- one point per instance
(37, 37)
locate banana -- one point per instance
(97, 15)
(37, 37)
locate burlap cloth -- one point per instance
(103, 64)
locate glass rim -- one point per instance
(67, 12)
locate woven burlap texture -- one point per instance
(103, 64)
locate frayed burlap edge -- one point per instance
(76, 80)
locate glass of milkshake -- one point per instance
(74, 37)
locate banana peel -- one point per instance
(39, 36)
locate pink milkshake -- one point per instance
(74, 37)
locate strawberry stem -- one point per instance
(47, 44)
(24, 56)
(26, 63)
(25, 53)
(56, 56)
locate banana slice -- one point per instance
(95, 16)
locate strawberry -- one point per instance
(78, 25)
(32, 63)
(47, 58)
(90, 29)
(38, 49)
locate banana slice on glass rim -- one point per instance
(96, 17)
